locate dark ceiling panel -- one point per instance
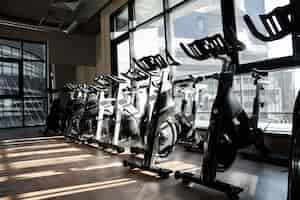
(40, 12)
(27, 9)
(92, 27)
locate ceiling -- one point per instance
(57, 14)
(92, 27)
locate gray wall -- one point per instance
(64, 74)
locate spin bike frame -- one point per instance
(103, 103)
(279, 26)
(225, 110)
(153, 66)
(197, 94)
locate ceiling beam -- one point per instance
(26, 24)
(85, 12)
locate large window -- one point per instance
(278, 96)
(9, 78)
(10, 49)
(120, 22)
(197, 19)
(256, 49)
(149, 39)
(23, 97)
(123, 56)
(145, 9)
(174, 2)
(11, 113)
(156, 26)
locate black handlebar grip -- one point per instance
(260, 73)
(172, 62)
(186, 50)
(277, 23)
(254, 30)
(213, 46)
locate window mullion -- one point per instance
(296, 19)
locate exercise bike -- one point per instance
(279, 24)
(88, 121)
(226, 133)
(81, 99)
(261, 153)
(157, 126)
(109, 116)
(190, 134)
(56, 120)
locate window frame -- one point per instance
(21, 96)
(229, 19)
(228, 13)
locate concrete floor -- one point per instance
(36, 168)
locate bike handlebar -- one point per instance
(197, 79)
(146, 67)
(135, 75)
(277, 23)
(115, 79)
(258, 74)
(214, 46)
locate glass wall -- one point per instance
(196, 19)
(10, 49)
(120, 22)
(156, 27)
(35, 111)
(123, 57)
(23, 84)
(174, 2)
(256, 49)
(145, 9)
(11, 113)
(9, 78)
(149, 39)
(123, 61)
(279, 95)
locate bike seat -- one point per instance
(187, 91)
(264, 82)
(260, 72)
(184, 85)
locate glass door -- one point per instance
(11, 107)
(23, 83)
